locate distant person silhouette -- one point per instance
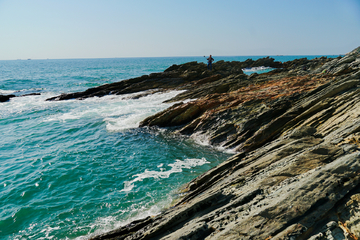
(209, 65)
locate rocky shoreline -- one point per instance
(296, 131)
(5, 98)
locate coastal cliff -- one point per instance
(296, 134)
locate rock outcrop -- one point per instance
(192, 76)
(296, 134)
(5, 98)
(184, 76)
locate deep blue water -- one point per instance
(72, 169)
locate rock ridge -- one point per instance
(296, 171)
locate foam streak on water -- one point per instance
(163, 173)
(65, 164)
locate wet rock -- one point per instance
(5, 98)
(30, 94)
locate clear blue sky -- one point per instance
(41, 29)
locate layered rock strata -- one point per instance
(296, 173)
(192, 76)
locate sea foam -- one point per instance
(5, 92)
(176, 167)
(118, 112)
(133, 111)
(257, 70)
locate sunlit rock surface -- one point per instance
(295, 132)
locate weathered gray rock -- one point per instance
(297, 171)
(346, 64)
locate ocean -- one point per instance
(73, 169)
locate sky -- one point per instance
(41, 29)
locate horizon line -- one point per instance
(257, 55)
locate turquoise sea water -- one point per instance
(72, 169)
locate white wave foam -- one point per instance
(133, 111)
(256, 69)
(5, 92)
(48, 230)
(177, 166)
(204, 140)
(201, 139)
(106, 224)
(25, 103)
(119, 112)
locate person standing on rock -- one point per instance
(210, 60)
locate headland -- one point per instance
(296, 134)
